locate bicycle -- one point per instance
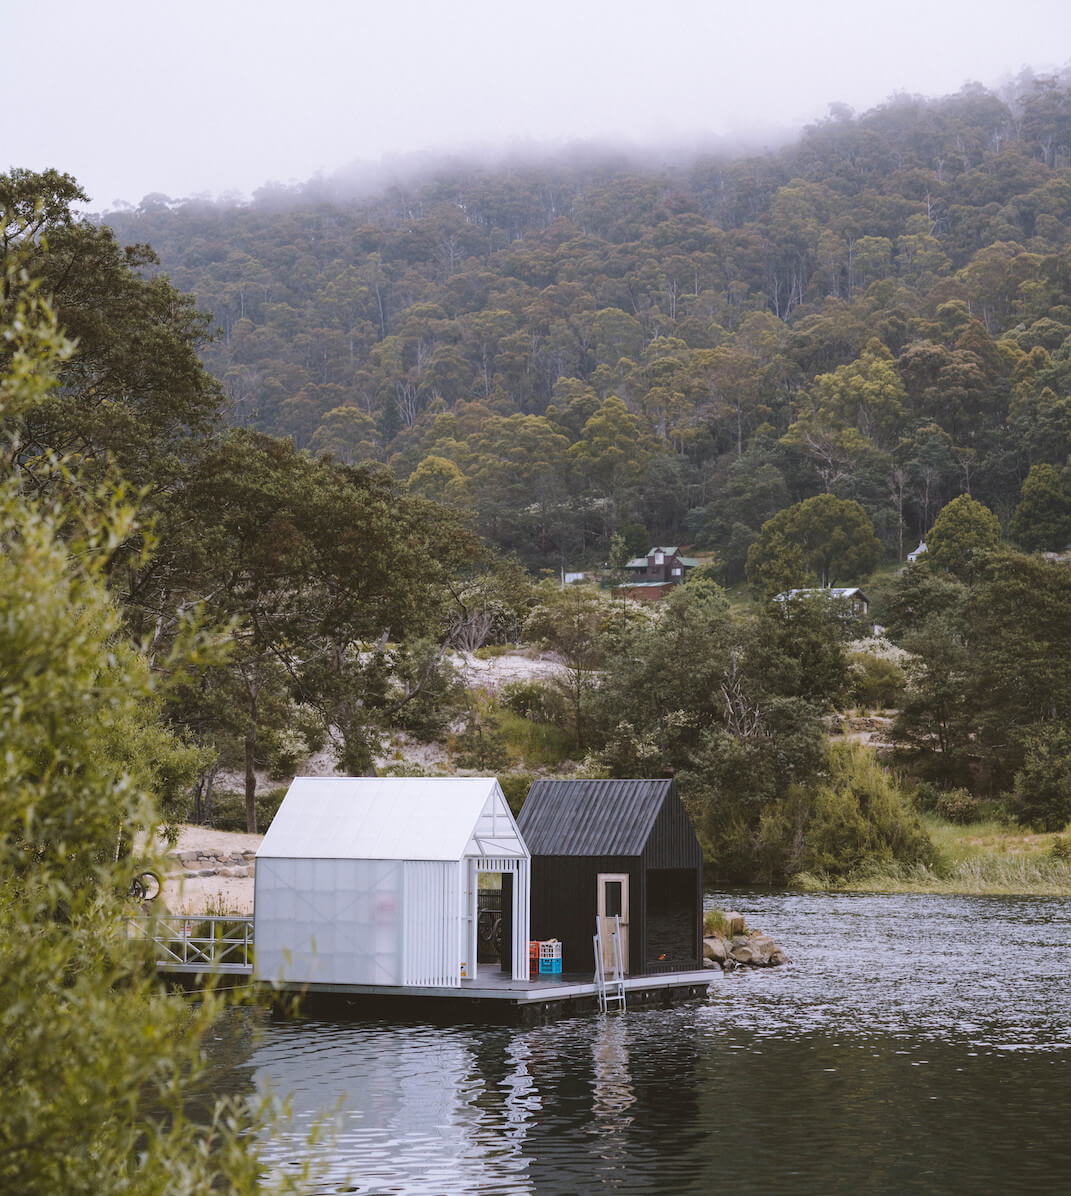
(145, 886)
(489, 926)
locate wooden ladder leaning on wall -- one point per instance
(611, 987)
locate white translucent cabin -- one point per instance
(373, 881)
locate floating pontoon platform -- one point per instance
(192, 946)
(492, 996)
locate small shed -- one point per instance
(619, 847)
(853, 598)
(374, 880)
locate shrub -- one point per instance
(1042, 789)
(532, 700)
(515, 786)
(858, 815)
(957, 805)
(284, 750)
(438, 694)
(876, 683)
(481, 746)
(924, 797)
(490, 651)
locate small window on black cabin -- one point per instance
(612, 898)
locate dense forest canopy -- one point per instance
(879, 311)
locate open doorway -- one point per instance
(489, 930)
(494, 920)
(671, 920)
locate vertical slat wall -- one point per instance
(432, 930)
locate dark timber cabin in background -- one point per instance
(625, 847)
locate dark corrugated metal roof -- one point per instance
(591, 817)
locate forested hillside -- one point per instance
(585, 346)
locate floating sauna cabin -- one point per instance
(606, 848)
(373, 881)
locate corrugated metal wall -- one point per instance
(564, 902)
(672, 842)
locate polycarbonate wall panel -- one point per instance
(330, 921)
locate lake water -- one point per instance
(913, 1044)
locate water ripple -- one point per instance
(872, 1063)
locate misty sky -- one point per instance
(217, 96)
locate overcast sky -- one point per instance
(217, 96)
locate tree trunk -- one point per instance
(250, 778)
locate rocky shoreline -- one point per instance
(741, 947)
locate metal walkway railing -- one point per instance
(611, 987)
(199, 943)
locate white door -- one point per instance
(613, 902)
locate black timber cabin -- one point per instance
(623, 847)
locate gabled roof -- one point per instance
(392, 818)
(825, 591)
(587, 817)
(641, 562)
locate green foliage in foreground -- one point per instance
(98, 1064)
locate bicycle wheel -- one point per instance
(485, 925)
(145, 886)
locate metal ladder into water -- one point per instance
(611, 988)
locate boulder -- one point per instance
(714, 949)
(757, 950)
(736, 923)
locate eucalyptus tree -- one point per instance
(820, 541)
(323, 571)
(132, 391)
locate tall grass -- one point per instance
(983, 859)
(715, 922)
(535, 744)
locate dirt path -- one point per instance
(210, 872)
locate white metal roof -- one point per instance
(392, 818)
